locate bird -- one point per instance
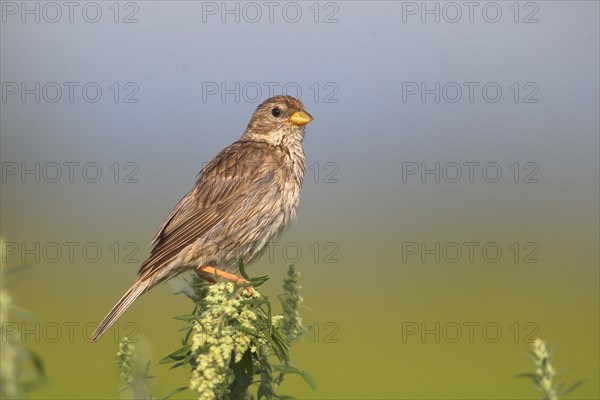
(245, 197)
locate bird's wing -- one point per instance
(241, 173)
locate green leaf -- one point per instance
(259, 280)
(174, 392)
(9, 270)
(247, 362)
(534, 377)
(242, 269)
(269, 316)
(243, 373)
(177, 365)
(572, 387)
(37, 363)
(124, 388)
(279, 346)
(288, 369)
(177, 355)
(185, 317)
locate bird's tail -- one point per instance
(136, 290)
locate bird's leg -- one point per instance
(206, 271)
(206, 277)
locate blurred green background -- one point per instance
(384, 312)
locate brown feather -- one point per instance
(244, 198)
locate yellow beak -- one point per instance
(300, 118)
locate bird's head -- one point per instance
(279, 120)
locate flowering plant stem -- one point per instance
(544, 375)
(232, 338)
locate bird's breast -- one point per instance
(293, 178)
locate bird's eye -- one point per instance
(276, 112)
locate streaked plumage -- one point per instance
(244, 198)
